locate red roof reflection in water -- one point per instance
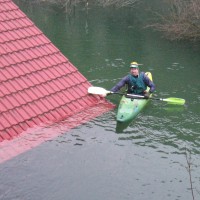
(38, 85)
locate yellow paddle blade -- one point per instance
(173, 100)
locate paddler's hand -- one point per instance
(146, 95)
(103, 95)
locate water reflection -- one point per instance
(122, 126)
(166, 130)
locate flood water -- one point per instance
(101, 159)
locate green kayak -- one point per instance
(129, 108)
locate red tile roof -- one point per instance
(38, 84)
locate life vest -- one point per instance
(136, 85)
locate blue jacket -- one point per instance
(127, 81)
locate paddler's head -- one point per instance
(134, 68)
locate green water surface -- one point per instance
(101, 159)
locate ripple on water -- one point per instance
(175, 66)
(170, 132)
(166, 129)
(94, 131)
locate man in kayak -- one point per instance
(136, 81)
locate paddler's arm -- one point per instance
(120, 84)
(149, 83)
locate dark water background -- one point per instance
(100, 160)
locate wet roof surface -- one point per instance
(38, 84)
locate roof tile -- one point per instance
(37, 82)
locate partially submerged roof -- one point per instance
(38, 84)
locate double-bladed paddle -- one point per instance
(102, 91)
